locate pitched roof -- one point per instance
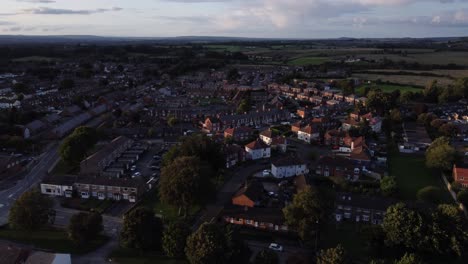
(257, 144)
(287, 161)
(267, 133)
(253, 190)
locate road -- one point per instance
(35, 176)
(288, 250)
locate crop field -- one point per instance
(388, 88)
(308, 61)
(410, 80)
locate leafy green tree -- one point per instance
(388, 186)
(448, 130)
(309, 208)
(266, 257)
(207, 245)
(75, 147)
(84, 227)
(440, 154)
(449, 235)
(244, 106)
(430, 194)
(409, 259)
(462, 196)
(172, 121)
(141, 230)
(461, 87)
(175, 239)
(233, 75)
(335, 255)
(183, 184)
(31, 211)
(431, 92)
(403, 227)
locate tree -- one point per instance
(347, 86)
(403, 227)
(175, 239)
(448, 130)
(309, 208)
(409, 259)
(172, 121)
(430, 194)
(233, 75)
(244, 106)
(461, 87)
(207, 245)
(388, 185)
(84, 227)
(75, 147)
(31, 211)
(448, 235)
(440, 154)
(266, 257)
(431, 92)
(395, 115)
(335, 255)
(462, 196)
(141, 230)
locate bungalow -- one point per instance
(460, 174)
(288, 167)
(250, 195)
(271, 219)
(257, 150)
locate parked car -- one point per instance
(276, 247)
(266, 173)
(133, 168)
(136, 174)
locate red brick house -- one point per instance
(239, 134)
(337, 167)
(212, 124)
(460, 175)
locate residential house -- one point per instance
(279, 143)
(110, 188)
(234, 154)
(58, 186)
(342, 140)
(288, 167)
(267, 136)
(212, 124)
(309, 133)
(460, 174)
(337, 166)
(271, 219)
(361, 208)
(9, 165)
(257, 150)
(239, 134)
(250, 195)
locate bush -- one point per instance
(429, 194)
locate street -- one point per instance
(256, 246)
(37, 173)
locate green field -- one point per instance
(412, 175)
(34, 58)
(388, 88)
(167, 212)
(308, 61)
(410, 80)
(55, 240)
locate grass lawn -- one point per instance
(130, 256)
(348, 235)
(388, 88)
(63, 168)
(412, 174)
(308, 61)
(90, 204)
(168, 213)
(52, 239)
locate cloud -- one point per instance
(38, 1)
(56, 11)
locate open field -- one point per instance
(412, 175)
(444, 73)
(388, 88)
(308, 61)
(410, 80)
(34, 58)
(440, 58)
(54, 240)
(168, 213)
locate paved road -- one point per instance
(37, 173)
(288, 250)
(225, 193)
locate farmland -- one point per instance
(308, 61)
(388, 88)
(411, 80)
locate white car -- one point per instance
(266, 173)
(133, 168)
(276, 247)
(136, 174)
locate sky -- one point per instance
(239, 18)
